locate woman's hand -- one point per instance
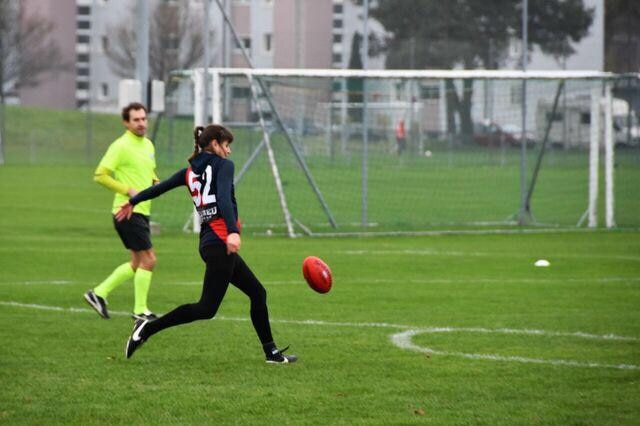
(125, 212)
(233, 243)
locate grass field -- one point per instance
(445, 330)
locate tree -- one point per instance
(355, 86)
(622, 39)
(26, 52)
(474, 34)
(175, 42)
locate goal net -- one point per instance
(351, 151)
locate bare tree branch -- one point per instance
(26, 50)
(121, 53)
(175, 42)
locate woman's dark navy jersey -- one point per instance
(209, 180)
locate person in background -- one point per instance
(401, 136)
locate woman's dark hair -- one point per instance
(204, 135)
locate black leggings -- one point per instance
(222, 269)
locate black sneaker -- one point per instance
(145, 316)
(276, 357)
(97, 303)
(135, 340)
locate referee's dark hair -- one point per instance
(204, 135)
(132, 106)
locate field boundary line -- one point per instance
(435, 233)
(403, 340)
(432, 252)
(407, 328)
(475, 280)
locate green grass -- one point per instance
(62, 364)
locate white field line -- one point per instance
(367, 324)
(40, 282)
(475, 280)
(33, 249)
(403, 339)
(432, 252)
(355, 252)
(546, 230)
(162, 252)
(603, 280)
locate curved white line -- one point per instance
(403, 341)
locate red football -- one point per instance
(317, 274)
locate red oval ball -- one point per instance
(317, 274)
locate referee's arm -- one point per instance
(102, 175)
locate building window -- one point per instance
(337, 58)
(84, 25)
(516, 94)
(337, 38)
(337, 23)
(82, 71)
(430, 92)
(267, 43)
(585, 118)
(104, 90)
(246, 43)
(172, 42)
(240, 92)
(558, 116)
(337, 9)
(82, 57)
(84, 10)
(105, 44)
(82, 85)
(83, 39)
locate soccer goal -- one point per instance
(318, 152)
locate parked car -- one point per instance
(491, 134)
(516, 132)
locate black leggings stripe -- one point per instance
(222, 269)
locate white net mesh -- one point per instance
(458, 167)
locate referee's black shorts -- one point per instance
(135, 233)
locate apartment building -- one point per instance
(275, 33)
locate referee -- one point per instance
(128, 166)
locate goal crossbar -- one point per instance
(411, 74)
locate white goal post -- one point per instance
(591, 96)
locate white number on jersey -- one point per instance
(201, 197)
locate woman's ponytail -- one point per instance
(196, 136)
